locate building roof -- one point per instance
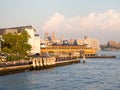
(2, 31)
(19, 29)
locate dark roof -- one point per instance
(21, 27)
(2, 31)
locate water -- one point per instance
(96, 74)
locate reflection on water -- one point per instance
(96, 74)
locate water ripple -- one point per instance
(96, 74)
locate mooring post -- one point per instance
(83, 58)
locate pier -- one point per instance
(39, 63)
(35, 64)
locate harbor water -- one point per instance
(95, 74)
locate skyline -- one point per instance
(71, 19)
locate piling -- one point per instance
(37, 63)
(41, 62)
(84, 58)
(34, 63)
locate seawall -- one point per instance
(14, 69)
(103, 56)
(37, 64)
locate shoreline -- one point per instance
(102, 56)
(29, 67)
(18, 66)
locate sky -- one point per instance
(72, 19)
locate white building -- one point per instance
(34, 40)
(90, 42)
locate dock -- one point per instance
(41, 63)
(102, 56)
(35, 64)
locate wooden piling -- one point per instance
(34, 63)
(37, 63)
(41, 62)
(84, 58)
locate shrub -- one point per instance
(12, 58)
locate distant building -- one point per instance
(34, 40)
(71, 41)
(51, 39)
(113, 44)
(94, 43)
(89, 42)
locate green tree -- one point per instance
(16, 44)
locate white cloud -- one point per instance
(93, 22)
(54, 22)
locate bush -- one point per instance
(12, 58)
(27, 58)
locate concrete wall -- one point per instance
(40, 62)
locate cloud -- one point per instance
(92, 23)
(54, 22)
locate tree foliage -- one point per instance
(16, 44)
